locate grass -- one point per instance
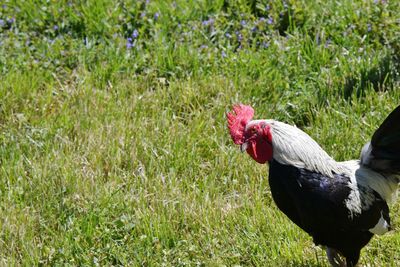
(114, 146)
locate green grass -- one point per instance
(116, 155)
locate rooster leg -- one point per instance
(334, 258)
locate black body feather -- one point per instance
(316, 203)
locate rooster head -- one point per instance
(253, 136)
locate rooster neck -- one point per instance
(292, 146)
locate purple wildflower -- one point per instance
(129, 43)
(156, 16)
(135, 34)
(239, 36)
(223, 54)
(270, 20)
(55, 27)
(11, 20)
(369, 27)
(2, 22)
(243, 23)
(228, 35)
(208, 22)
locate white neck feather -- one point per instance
(292, 146)
(384, 185)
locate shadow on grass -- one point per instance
(307, 264)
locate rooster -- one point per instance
(341, 205)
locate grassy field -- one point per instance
(114, 148)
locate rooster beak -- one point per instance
(243, 147)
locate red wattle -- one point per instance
(260, 151)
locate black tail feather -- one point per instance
(383, 154)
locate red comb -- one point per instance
(237, 121)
